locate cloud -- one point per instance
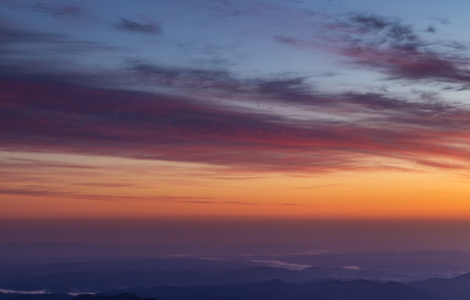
(411, 64)
(194, 78)
(277, 88)
(134, 26)
(270, 123)
(375, 30)
(29, 192)
(12, 36)
(290, 41)
(74, 119)
(281, 264)
(106, 184)
(396, 49)
(41, 192)
(23, 49)
(21, 162)
(37, 191)
(353, 268)
(282, 90)
(400, 51)
(59, 11)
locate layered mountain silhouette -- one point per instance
(102, 281)
(457, 288)
(268, 290)
(249, 279)
(279, 290)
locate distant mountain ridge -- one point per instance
(101, 281)
(268, 290)
(252, 278)
(99, 275)
(279, 290)
(55, 296)
(457, 288)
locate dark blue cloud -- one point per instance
(138, 27)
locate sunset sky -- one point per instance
(240, 109)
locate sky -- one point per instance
(182, 110)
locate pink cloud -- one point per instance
(67, 118)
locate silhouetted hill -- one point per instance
(58, 296)
(143, 265)
(104, 281)
(113, 275)
(97, 276)
(104, 275)
(267, 290)
(47, 296)
(122, 296)
(279, 290)
(457, 288)
(424, 264)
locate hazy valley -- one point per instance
(374, 275)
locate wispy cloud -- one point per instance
(401, 51)
(157, 126)
(41, 192)
(59, 11)
(37, 191)
(22, 48)
(139, 27)
(21, 162)
(279, 122)
(105, 184)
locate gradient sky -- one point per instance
(182, 109)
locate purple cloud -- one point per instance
(223, 118)
(397, 49)
(67, 118)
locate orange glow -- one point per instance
(111, 187)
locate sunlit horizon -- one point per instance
(246, 116)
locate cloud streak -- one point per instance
(138, 27)
(34, 191)
(59, 11)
